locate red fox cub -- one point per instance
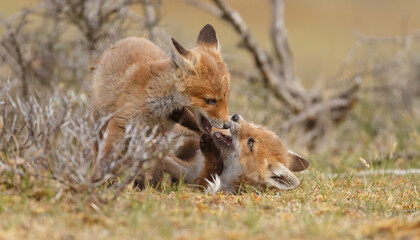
(137, 82)
(249, 154)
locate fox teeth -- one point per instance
(214, 185)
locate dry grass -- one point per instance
(377, 206)
(51, 203)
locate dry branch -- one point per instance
(96, 20)
(277, 70)
(11, 51)
(152, 17)
(280, 40)
(396, 172)
(262, 59)
(334, 105)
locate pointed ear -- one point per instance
(282, 178)
(297, 163)
(207, 37)
(179, 56)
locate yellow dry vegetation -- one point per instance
(345, 207)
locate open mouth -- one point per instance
(206, 124)
(223, 139)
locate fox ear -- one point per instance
(179, 56)
(297, 163)
(282, 178)
(207, 37)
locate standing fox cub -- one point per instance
(247, 154)
(137, 82)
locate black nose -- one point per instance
(235, 118)
(226, 125)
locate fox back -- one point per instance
(116, 67)
(137, 75)
(137, 82)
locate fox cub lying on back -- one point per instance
(246, 154)
(137, 82)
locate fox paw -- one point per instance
(215, 185)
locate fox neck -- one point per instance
(232, 169)
(166, 92)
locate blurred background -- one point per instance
(321, 33)
(355, 65)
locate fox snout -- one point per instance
(220, 123)
(234, 123)
(235, 118)
(226, 125)
(231, 123)
(220, 117)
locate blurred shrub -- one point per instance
(53, 138)
(55, 43)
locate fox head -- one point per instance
(206, 80)
(256, 156)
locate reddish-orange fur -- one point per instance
(269, 164)
(213, 161)
(137, 82)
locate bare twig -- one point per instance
(338, 106)
(93, 18)
(152, 17)
(280, 40)
(277, 70)
(362, 40)
(61, 138)
(402, 40)
(13, 53)
(262, 59)
(206, 7)
(311, 113)
(396, 172)
(250, 76)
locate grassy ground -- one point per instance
(325, 206)
(346, 207)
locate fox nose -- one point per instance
(235, 118)
(226, 125)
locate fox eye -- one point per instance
(210, 101)
(250, 143)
